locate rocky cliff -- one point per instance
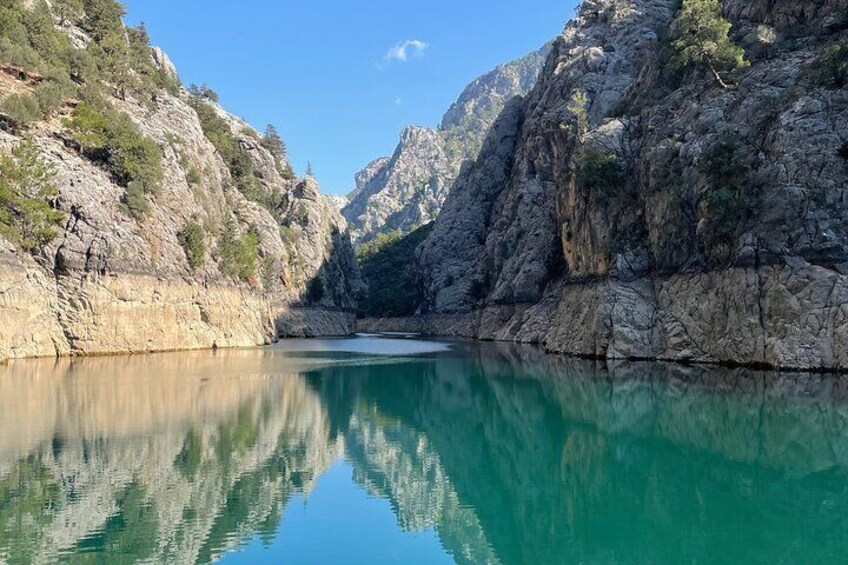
(407, 190)
(626, 210)
(113, 281)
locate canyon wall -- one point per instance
(113, 282)
(626, 210)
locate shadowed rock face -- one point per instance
(408, 189)
(110, 283)
(650, 267)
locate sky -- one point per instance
(341, 78)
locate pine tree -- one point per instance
(26, 187)
(701, 36)
(203, 91)
(309, 172)
(68, 11)
(273, 142)
(102, 18)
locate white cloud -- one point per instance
(404, 51)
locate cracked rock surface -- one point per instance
(647, 267)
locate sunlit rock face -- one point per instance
(407, 190)
(648, 267)
(110, 283)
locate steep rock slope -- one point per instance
(408, 189)
(682, 220)
(112, 282)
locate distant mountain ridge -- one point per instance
(407, 190)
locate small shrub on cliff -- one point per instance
(579, 108)
(193, 176)
(271, 270)
(725, 160)
(135, 202)
(68, 11)
(204, 92)
(110, 137)
(701, 37)
(239, 255)
(601, 173)
(23, 109)
(724, 208)
(830, 69)
(193, 239)
(49, 96)
(26, 187)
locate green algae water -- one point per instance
(378, 450)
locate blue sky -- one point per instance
(321, 71)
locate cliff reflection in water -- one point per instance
(508, 455)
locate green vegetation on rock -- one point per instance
(601, 173)
(725, 205)
(117, 56)
(273, 142)
(193, 239)
(204, 92)
(830, 69)
(239, 253)
(26, 186)
(578, 106)
(109, 137)
(23, 109)
(388, 269)
(236, 157)
(135, 202)
(701, 37)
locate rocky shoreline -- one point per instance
(747, 316)
(110, 314)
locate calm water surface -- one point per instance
(376, 450)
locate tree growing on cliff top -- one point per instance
(701, 36)
(273, 142)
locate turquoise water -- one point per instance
(377, 450)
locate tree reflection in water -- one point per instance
(509, 455)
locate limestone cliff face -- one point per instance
(111, 283)
(664, 261)
(408, 189)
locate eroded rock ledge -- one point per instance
(45, 316)
(783, 317)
